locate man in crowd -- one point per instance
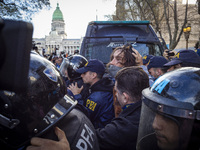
(121, 133)
(184, 58)
(99, 103)
(155, 66)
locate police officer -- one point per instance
(100, 99)
(184, 58)
(155, 66)
(68, 71)
(170, 116)
(43, 105)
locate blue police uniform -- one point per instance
(99, 103)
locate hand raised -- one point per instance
(138, 57)
(75, 89)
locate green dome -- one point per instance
(57, 14)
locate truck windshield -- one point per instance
(102, 51)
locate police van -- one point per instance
(103, 36)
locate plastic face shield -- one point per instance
(164, 125)
(56, 113)
(63, 67)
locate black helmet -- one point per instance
(174, 98)
(32, 112)
(71, 64)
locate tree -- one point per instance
(21, 9)
(165, 15)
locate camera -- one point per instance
(170, 53)
(15, 46)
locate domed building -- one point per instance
(57, 40)
(58, 23)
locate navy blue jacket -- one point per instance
(121, 133)
(99, 103)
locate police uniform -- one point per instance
(99, 103)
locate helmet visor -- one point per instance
(161, 130)
(61, 109)
(63, 67)
(15, 137)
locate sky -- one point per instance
(189, 1)
(76, 13)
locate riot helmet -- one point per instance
(37, 109)
(170, 111)
(71, 64)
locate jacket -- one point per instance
(99, 103)
(121, 133)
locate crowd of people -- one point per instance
(134, 102)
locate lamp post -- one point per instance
(186, 31)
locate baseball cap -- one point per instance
(93, 65)
(197, 51)
(146, 58)
(156, 62)
(188, 56)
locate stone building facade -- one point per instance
(123, 13)
(193, 20)
(57, 40)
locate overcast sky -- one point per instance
(76, 14)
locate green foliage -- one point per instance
(21, 9)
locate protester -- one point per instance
(170, 112)
(58, 62)
(184, 58)
(123, 56)
(52, 57)
(35, 48)
(155, 66)
(99, 103)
